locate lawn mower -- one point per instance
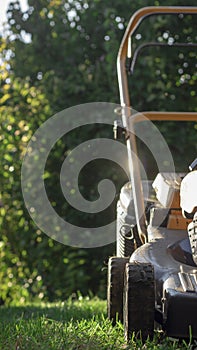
(152, 279)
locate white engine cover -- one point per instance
(188, 192)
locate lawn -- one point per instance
(71, 325)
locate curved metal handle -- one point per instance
(134, 22)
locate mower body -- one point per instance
(169, 251)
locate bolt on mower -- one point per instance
(152, 280)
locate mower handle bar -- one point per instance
(123, 53)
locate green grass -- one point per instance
(73, 325)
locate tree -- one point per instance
(56, 55)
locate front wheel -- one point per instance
(115, 283)
(139, 300)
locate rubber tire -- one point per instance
(125, 244)
(139, 301)
(115, 284)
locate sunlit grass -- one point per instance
(72, 325)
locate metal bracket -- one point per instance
(188, 281)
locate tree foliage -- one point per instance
(55, 55)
